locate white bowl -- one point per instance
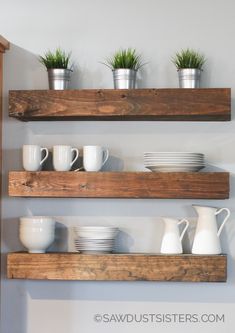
(41, 232)
(36, 241)
(43, 221)
(35, 229)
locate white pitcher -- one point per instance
(206, 239)
(171, 241)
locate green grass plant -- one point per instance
(125, 58)
(57, 59)
(188, 58)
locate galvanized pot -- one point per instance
(59, 78)
(189, 77)
(124, 78)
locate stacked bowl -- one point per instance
(37, 233)
(95, 239)
(174, 161)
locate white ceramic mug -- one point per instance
(94, 157)
(63, 157)
(32, 157)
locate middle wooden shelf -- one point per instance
(117, 267)
(169, 185)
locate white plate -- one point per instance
(105, 248)
(174, 158)
(94, 252)
(101, 229)
(95, 236)
(174, 164)
(86, 246)
(96, 232)
(91, 240)
(94, 246)
(95, 227)
(93, 243)
(172, 153)
(173, 169)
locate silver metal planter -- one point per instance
(189, 77)
(124, 78)
(59, 78)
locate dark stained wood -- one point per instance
(109, 104)
(181, 185)
(4, 44)
(117, 267)
(1, 86)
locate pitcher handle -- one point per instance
(225, 219)
(185, 228)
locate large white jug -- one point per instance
(206, 239)
(171, 241)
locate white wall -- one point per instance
(93, 30)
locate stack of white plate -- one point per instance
(174, 161)
(94, 239)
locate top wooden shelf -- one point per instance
(109, 104)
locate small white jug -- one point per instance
(206, 239)
(171, 241)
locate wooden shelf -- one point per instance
(4, 44)
(175, 185)
(110, 104)
(122, 267)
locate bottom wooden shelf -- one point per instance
(122, 267)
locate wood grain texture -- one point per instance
(122, 267)
(1, 86)
(4, 44)
(110, 104)
(175, 185)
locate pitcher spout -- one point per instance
(201, 210)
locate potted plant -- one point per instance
(189, 65)
(57, 64)
(124, 63)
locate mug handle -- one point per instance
(225, 219)
(47, 153)
(105, 156)
(185, 228)
(76, 155)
